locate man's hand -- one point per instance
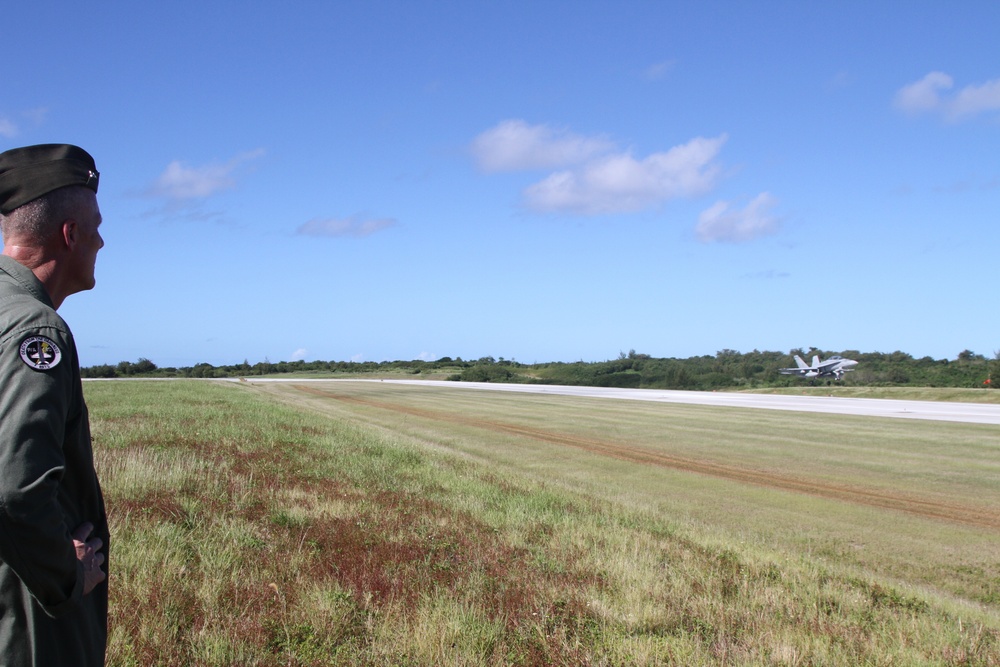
(87, 553)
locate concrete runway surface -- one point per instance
(973, 413)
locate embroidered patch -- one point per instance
(40, 353)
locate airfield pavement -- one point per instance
(973, 413)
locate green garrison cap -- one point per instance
(30, 172)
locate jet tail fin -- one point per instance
(815, 361)
(800, 363)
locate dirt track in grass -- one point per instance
(955, 513)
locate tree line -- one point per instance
(727, 369)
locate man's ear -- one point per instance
(70, 233)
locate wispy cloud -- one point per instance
(514, 145)
(930, 95)
(352, 227)
(721, 223)
(7, 128)
(299, 354)
(621, 183)
(767, 274)
(36, 116)
(840, 80)
(659, 70)
(182, 183)
(10, 128)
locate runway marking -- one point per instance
(952, 411)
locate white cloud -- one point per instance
(354, 226)
(299, 354)
(7, 128)
(923, 95)
(720, 223)
(514, 145)
(179, 182)
(972, 100)
(620, 183)
(928, 95)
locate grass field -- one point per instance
(377, 524)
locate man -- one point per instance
(53, 527)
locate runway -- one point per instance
(972, 413)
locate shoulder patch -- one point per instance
(40, 353)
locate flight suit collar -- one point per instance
(25, 278)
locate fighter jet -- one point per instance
(834, 367)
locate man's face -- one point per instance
(89, 241)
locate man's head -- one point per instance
(49, 214)
(30, 172)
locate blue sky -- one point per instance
(539, 181)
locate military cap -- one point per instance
(30, 172)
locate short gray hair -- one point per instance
(37, 220)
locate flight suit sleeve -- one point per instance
(35, 404)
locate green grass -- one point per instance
(373, 524)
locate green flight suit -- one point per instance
(48, 486)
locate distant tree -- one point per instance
(727, 368)
(897, 375)
(102, 371)
(144, 366)
(486, 373)
(626, 379)
(202, 370)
